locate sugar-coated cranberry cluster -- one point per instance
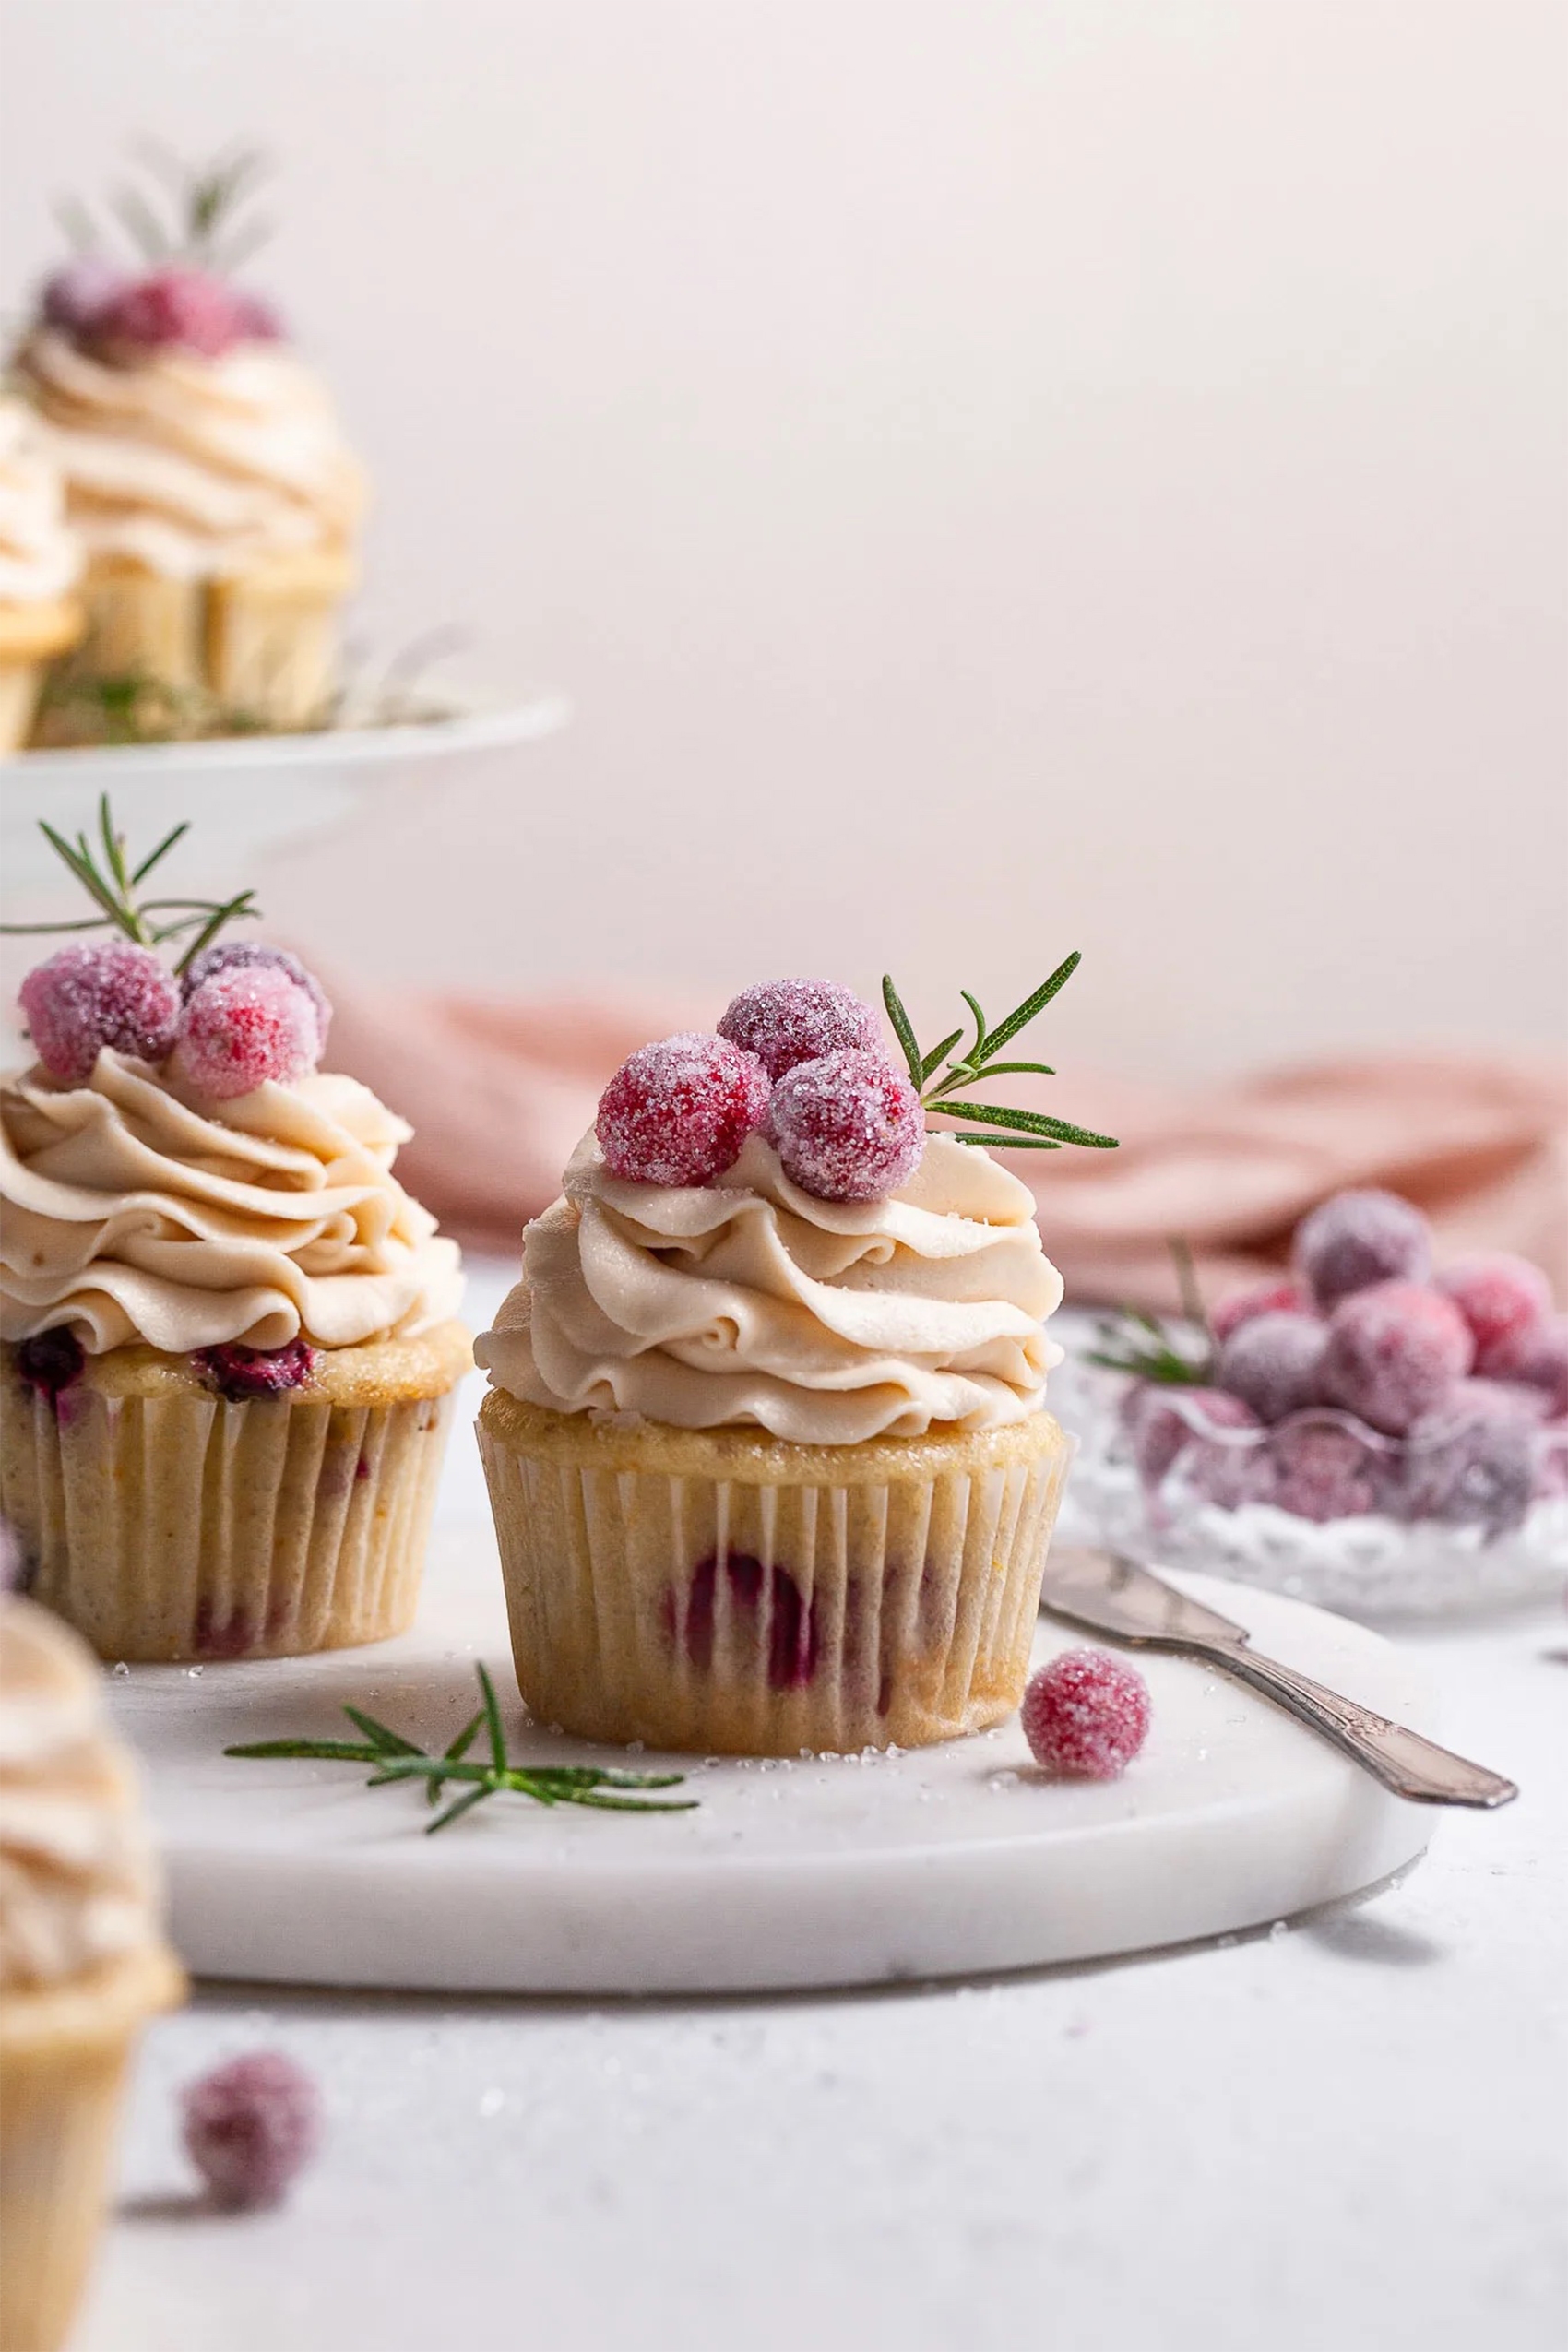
(109, 310)
(240, 1014)
(1463, 1363)
(799, 1060)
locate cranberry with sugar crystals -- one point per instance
(82, 999)
(1357, 1239)
(1473, 1462)
(251, 2126)
(1163, 1419)
(678, 1112)
(848, 1126)
(1274, 1362)
(236, 954)
(1499, 1296)
(77, 296)
(1395, 1351)
(786, 1021)
(1536, 1359)
(1318, 1469)
(185, 309)
(1263, 1298)
(243, 1027)
(239, 1372)
(1085, 1715)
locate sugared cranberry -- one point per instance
(1274, 1362)
(185, 309)
(77, 297)
(679, 1111)
(1536, 1359)
(1163, 1420)
(239, 1372)
(1357, 1239)
(240, 954)
(82, 999)
(1499, 1296)
(785, 1021)
(243, 1027)
(1085, 1715)
(848, 1126)
(262, 320)
(50, 1361)
(251, 2126)
(1394, 1352)
(1318, 1469)
(1473, 1463)
(1263, 1298)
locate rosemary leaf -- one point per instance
(1030, 1122)
(459, 1806)
(161, 851)
(938, 1053)
(1008, 1143)
(1025, 1012)
(903, 1029)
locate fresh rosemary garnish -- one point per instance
(1142, 1346)
(395, 1758)
(205, 230)
(113, 883)
(1012, 1129)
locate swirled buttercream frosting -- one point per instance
(191, 467)
(40, 556)
(131, 1212)
(749, 1301)
(78, 1886)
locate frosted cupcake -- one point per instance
(41, 560)
(83, 1965)
(766, 1438)
(207, 477)
(229, 1345)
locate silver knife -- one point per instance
(1116, 1596)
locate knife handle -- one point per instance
(1402, 1759)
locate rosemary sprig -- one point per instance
(1016, 1130)
(397, 1759)
(206, 199)
(1147, 1349)
(112, 883)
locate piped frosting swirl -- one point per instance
(40, 557)
(750, 1303)
(132, 1212)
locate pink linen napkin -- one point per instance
(499, 1092)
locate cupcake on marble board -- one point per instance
(206, 474)
(229, 1337)
(40, 562)
(766, 1437)
(83, 1966)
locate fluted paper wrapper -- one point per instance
(734, 1594)
(186, 1527)
(64, 2056)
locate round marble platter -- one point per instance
(789, 1874)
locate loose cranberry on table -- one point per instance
(1395, 1351)
(233, 954)
(1085, 1715)
(82, 999)
(679, 1111)
(244, 1028)
(1357, 1239)
(1263, 1298)
(848, 1126)
(251, 2126)
(1274, 1362)
(786, 1021)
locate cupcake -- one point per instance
(207, 476)
(82, 1967)
(765, 1437)
(40, 563)
(229, 1338)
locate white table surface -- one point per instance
(1348, 2135)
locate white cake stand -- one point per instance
(832, 1871)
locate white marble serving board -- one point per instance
(839, 1870)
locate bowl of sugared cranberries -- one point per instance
(1376, 1430)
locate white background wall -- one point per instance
(994, 475)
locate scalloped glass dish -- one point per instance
(1432, 1533)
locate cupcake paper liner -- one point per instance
(64, 2056)
(183, 1526)
(731, 1594)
